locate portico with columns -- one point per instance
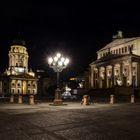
(112, 70)
(117, 64)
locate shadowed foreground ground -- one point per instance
(71, 122)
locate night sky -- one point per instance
(77, 29)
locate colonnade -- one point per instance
(106, 76)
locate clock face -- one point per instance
(19, 69)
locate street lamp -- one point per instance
(58, 63)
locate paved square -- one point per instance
(70, 122)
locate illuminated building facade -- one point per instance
(117, 64)
(17, 79)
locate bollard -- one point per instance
(31, 99)
(20, 99)
(111, 99)
(57, 100)
(132, 98)
(11, 98)
(85, 100)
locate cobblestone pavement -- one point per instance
(70, 122)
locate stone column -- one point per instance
(112, 99)
(136, 74)
(98, 72)
(99, 78)
(112, 76)
(132, 98)
(107, 83)
(12, 98)
(92, 77)
(16, 87)
(20, 99)
(31, 99)
(105, 76)
(130, 72)
(121, 72)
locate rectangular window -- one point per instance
(125, 49)
(5, 90)
(132, 47)
(13, 91)
(119, 50)
(122, 50)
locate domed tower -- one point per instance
(18, 58)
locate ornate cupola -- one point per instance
(18, 58)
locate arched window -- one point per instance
(18, 91)
(28, 91)
(33, 91)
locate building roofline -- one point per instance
(108, 47)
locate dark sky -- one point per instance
(75, 28)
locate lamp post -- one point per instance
(58, 63)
